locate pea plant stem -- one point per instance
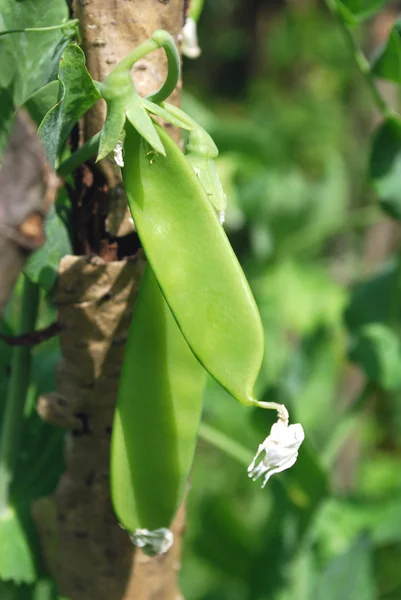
(17, 392)
(160, 39)
(71, 23)
(225, 444)
(84, 153)
(360, 60)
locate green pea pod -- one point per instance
(194, 263)
(157, 415)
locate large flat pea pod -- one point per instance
(157, 415)
(194, 263)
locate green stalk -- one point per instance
(128, 62)
(225, 444)
(360, 60)
(195, 9)
(165, 41)
(160, 39)
(17, 392)
(71, 23)
(84, 153)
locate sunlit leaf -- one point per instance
(76, 95)
(17, 557)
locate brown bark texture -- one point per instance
(90, 556)
(27, 189)
(110, 31)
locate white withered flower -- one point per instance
(280, 448)
(118, 154)
(155, 542)
(189, 37)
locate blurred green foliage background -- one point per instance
(277, 88)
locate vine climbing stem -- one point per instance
(360, 60)
(17, 392)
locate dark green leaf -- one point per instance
(387, 62)
(377, 350)
(77, 94)
(42, 589)
(362, 9)
(385, 166)
(42, 101)
(371, 300)
(29, 60)
(6, 117)
(346, 15)
(228, 542)
(42, 265)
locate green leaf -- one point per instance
(385, 166)
(377, 350)
(6, 117)
(372, 299)
(42, 101)
(42, 265)
(158, 110)
(112, 129)
(17, 558)
(42, 589)
(346, 15)
(228, 543)
(139, 118)
(77, 94)
(349, 575)
(387, 62)
(29, 60)
(361, 9)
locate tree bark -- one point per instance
(28, 187)
(110, 31)
(95, 297)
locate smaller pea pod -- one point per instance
(194, 263)
(157, 416)
(200, 152)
